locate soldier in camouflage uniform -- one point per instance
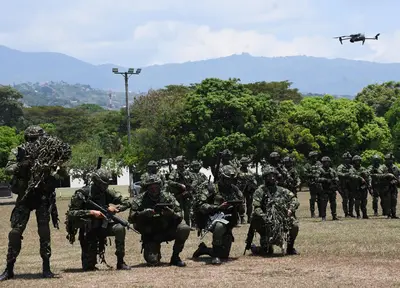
(361, 186)
(377, 176)
(344, 172)
(38, 200)
(152, 169)
(295, 181)
(198, 179)
(311, 173)
(158, 226)
(212, 201)
(283, 178)
(330, 184)
(390, 186)
(180, 185)
(264, 194)
(247, 184)
(93, 228)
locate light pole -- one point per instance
(126, 76)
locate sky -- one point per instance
(134, 33)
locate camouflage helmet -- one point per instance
(228, 172)
(33, 132)
(312, 154)
(245, 160)
(269, 170)
(152, 163)
(153, 179)
(356, 158)
(346, 155)
(180, 158)
(376, 157)
(389, 156)
(326, 159)
(195, 163)
(226, 153)
(274, 155)
(287, 159)
(102, 176)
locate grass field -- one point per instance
(346, 253)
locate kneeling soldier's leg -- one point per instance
(182, 234)
(119, 232)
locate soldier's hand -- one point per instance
(223, 206)
(183, 187)
(289, 213)
(147, 212)
(167, 211)
(97, 214)
(113, 209)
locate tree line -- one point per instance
(202, 119)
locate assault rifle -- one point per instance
(249, 238)
(162, 206)
(109, 216)
(220, 216)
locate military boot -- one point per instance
(46, 269)
(242, 221)
(202, 250)
(176, 260)
(121, 265)
(312, 208)
(8, 272)
(291, 250)
(335, 218)
(216, 255)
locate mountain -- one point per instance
(308, 74)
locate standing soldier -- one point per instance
(295, 181)
(180, 185)
(344, 172)
(377, 176)
(392, 182)
(247, 184)
(283, 178)
(312, 171)
(37, 198)
(198, 177)
(152, 169)
(362, 181)
(330, 183)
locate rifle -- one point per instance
(216, 170)
(220, 216)
(109, 216)
(99, 163)
(235, 202)
(249, 238)
(21, 154)
(162, 206)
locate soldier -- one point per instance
(266, 194)
(362, 181)
(152, 169)
(344, 172)
(197, 176)
(226, 157)
(390, 189)
(212, 201)
(247, 184)
(283, 178)
(157, 226)
(295, 182)
(330, 183)
(39, 199)
(180, 185)
(311, 173)
(377, 176)
(92, 225)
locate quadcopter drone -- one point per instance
(356, 38)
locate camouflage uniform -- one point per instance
(295, 181)
(152, 169)
(390, 187)
(164, 226)
(312, 171)
(93, 230)
(344, 172)
(180, 185)
(377, 176)
(247, 184)
(198, 179)
(330, 183)
(39, 199)
(210, 202)
(361, 185)
(265, 194)
(284, 179)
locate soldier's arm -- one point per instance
(134, 209)
(12, 166)
(116, 198)
(294, 202)
(257, 201)
(76, 206)
(204, 206)
(172, 181)
(176, 207)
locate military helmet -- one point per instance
(269, 170)
(274, 155)
(346, 155)
(152, 163)
(245, 160)
(228, 171)
(356, 158)
(33, 131)
(180, 159)
(376, 157)
(195, 163)
(226, 153)
(312, 154)
(389, 156)
(326, 159)
(152, 179)
(102, 176)
(287, 159)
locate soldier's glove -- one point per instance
(147, 213)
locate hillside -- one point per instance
(308, 74)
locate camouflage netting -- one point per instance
(278, 223)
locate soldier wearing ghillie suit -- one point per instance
(311, 173)
(378, 177)
(213, 201)
(283, 178)
(180, 185)
(158, 224)
(361, 186)
(295, 181)
(330, 185)
(274, 209)
(35, 166)
(391, 185)
(152, 169)
(93, 226)
(344, 172)
(247, 184)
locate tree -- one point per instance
(380, 96)
(278, 91)
(10, 106)
(9, 139)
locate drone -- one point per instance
(356, 38)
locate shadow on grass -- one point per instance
(207, 259)
(145, 265)
(7, 203)
(29, 276)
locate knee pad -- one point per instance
(152, 253)
(15, 235)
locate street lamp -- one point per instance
(126, 75)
